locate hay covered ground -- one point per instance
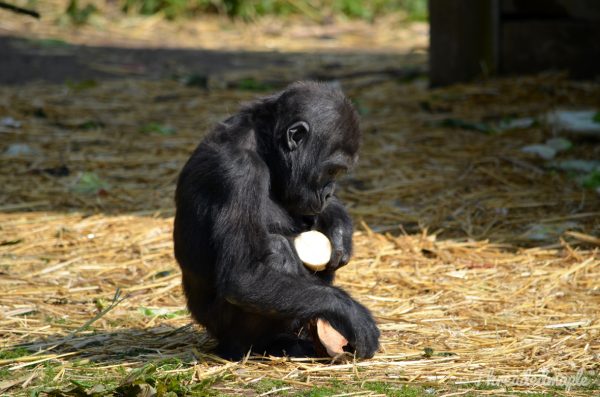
(462, 293)
(479, 261)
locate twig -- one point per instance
(19, 10)
(112, 305)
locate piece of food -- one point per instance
(332, 341)
(314, 249)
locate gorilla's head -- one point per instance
(309, 136)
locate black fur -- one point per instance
(257, 180)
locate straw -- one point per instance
(443, 258)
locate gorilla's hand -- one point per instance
(335, 223)
(340, 235)
(281, 255)
(356, 323)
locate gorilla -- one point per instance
(260, 178)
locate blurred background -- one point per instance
(468, 38)
(79, 40)
(92, 78)
(476, 199)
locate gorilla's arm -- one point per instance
(336, 224)
(248, 277)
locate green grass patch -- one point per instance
(150, 379)
(592, 180)
(267, 385)
(158, 129)
(161, 312)
(393, 390)
(48, 43)
(320, 392)
(251, 84)
(319, 10)
(9, 354)
(89, 183)
(79, 14)
(81, 85)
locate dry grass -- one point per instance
(459, 290)
(110, 26)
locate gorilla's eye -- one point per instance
(335, 171)
(298, 131)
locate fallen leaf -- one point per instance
(559, 144)
(581, 121)
(541, 232)
(19, 149)
(577, 165)
(511, 124)
(544, 151)
(10, 122)
(468, 125)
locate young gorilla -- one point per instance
(257, 180)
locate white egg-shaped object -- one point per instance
(314, 249)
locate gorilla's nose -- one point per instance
(324, 200)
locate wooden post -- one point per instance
(463, 40)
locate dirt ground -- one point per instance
(479, 260)
(111, 45)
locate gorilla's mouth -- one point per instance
(307, 204)
(316, 205)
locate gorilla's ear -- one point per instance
(295, 134)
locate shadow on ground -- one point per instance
(56, 61)
(122, 345)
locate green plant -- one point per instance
(251, 9)
(79, 15)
